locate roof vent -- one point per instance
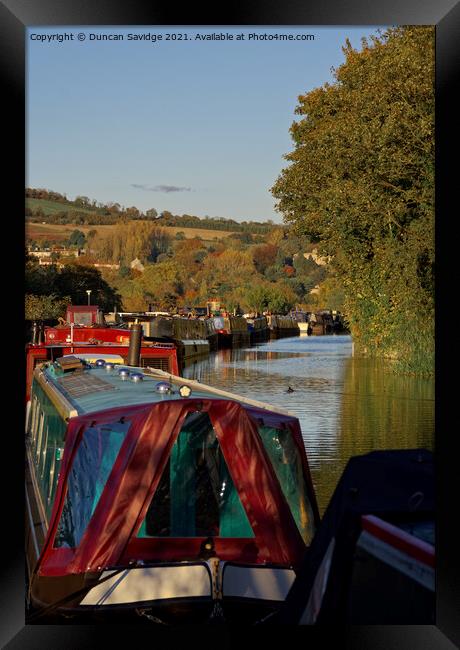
(70, 362)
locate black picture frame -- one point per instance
(15, 16)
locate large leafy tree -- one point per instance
(361, 183)
(129, 240)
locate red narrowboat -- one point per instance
(84, 332)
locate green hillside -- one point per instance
(52, 207)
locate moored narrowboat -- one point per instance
(302, 318)
(232, 331)
(258, 328)
(282, 326)
(190, 335)
(211, 333)
(157, 497)
(94, 342)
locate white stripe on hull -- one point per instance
(418, 571)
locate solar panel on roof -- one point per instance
(81, 384)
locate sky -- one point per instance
(181, 124)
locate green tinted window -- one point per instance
(287, 463)
(196, 496)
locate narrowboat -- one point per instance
(190, 335)
(258, 328)
(152, 498)
(372, 561)
(302, 318)
(212, 333)
(339, 325)
(232, 331)
(282, 326)
(318, 322)
(96, 342)
(327, 322)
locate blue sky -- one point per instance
(189, 126)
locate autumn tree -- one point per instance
(276, 298)
(132, 213)
(130, 240)
(189, 252)
(264, 256)
(163, 283)
(228, 270)
(45, 307)
(360, 181)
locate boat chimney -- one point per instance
(134, 351)
(35, 332)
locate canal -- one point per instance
(346, 405)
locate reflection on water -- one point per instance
(346, 405)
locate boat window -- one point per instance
(219, 323)
(196, 496)
(47, 431)
(43, 450)
(287, 463)
(83, 318)
(54, 475)
(32, 430)
(41, 424)
(88, 475)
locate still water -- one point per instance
(346, 405)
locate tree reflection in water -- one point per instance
(346, 405)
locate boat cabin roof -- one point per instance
(91, 387)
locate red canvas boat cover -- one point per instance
(110, 538)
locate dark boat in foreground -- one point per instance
(155, 498)
(372, 560)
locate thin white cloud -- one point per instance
(161, 188)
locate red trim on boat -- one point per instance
(413, 546)
(46, 353)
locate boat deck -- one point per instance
(95, 389)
